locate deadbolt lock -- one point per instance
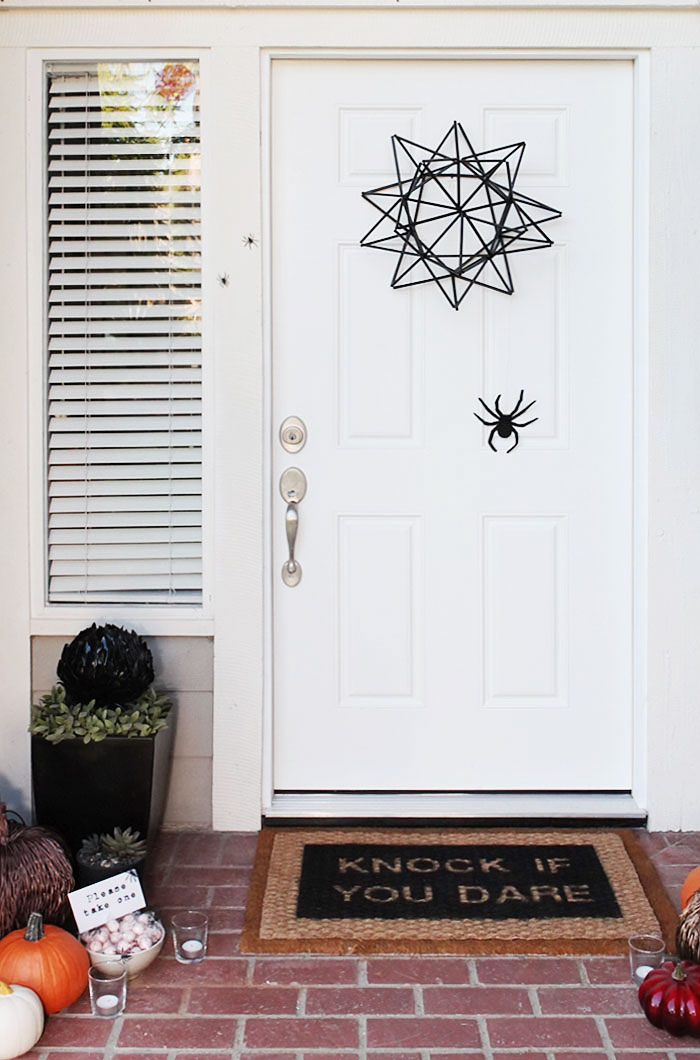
(293, 434)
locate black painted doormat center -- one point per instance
(456, 891)
(476, 881)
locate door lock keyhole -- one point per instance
(293, 434)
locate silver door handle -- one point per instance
(293, 490)
(291, 571)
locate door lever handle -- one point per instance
(293, 490)
(291, 571)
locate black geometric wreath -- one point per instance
(453, 216)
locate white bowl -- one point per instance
(133, 962)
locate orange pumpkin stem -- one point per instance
(35, 928)
(5, 988)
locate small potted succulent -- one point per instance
(101, 741)
(101, 856)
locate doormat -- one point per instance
(359, 890)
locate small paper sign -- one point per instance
(107, 900)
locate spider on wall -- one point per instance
(504, 423)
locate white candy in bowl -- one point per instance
(133, 941)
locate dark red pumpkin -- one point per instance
(670, 997)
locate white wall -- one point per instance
(229, 41)
(14, 570)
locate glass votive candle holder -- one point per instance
(190, 931)
(107, 992)
(646, 953)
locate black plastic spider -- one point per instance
(504, 422)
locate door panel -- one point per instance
(464, 617)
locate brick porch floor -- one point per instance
(232, 1007)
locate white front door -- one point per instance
(464, 617)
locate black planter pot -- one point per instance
(87, 874)
(95, 787)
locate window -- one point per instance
(124, 334)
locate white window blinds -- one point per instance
(124, 334)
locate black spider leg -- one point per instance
(522, 413)
(497, 406)
(527, 424)
(488, 423)
(517, 439)
(496, 415)
(520, 401)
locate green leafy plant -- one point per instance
(56, 719)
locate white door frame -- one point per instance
(593, 805)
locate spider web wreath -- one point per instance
(453, 216)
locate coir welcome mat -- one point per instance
(358, 890)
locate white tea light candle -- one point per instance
(108, 1004)
(192, 948)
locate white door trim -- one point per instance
(618, 804)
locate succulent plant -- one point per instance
(108, 851)
(124, 843)
(105, 665)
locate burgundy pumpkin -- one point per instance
(670, 997)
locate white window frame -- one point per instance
(63, 619)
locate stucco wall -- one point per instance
(232, 39)
(184, 668)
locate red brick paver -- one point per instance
(438, 1032)
(301, 1033)
(361, 1000)
(310, 970)
(528, 970)
(476, 1000)
(543, 1032)
(178, 1033)
(418, 970)
(237, 1007)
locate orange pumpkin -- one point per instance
(690, 886)
(48, 960)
